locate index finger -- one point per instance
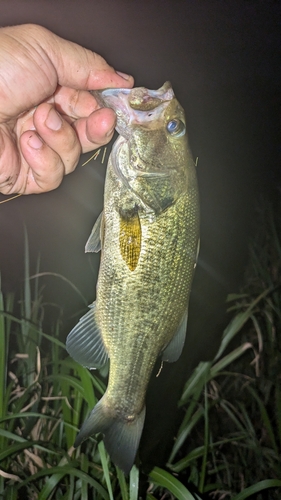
(76, 66)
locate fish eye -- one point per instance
(176, 127)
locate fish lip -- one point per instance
(105, 97)
(164, 93)
(113, 91)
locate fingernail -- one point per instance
(123, 75)
(53, 120)
(35, 142)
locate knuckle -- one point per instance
(9, 162)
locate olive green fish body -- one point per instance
(140, 311)
(148, 235)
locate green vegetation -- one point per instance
(228, 445)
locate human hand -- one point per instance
(47, 117)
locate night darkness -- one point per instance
(223, 59)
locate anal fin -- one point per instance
(84, 343)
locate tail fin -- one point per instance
(121, 437)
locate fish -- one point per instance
(148, 235)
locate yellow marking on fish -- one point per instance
(10, 199)
(130, 240)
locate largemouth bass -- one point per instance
(148, 236)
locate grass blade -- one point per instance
(206, 443)
(122, 484)
(3, 361)
(256, 488)
(166, 480)
(104, 461)
(68, 470)
(134, 483)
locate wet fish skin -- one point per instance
(149, 238)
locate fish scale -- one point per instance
(148, 234)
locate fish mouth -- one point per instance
(140, 98)
(135, 106)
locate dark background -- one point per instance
(223, 59)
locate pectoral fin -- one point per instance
(95, 240)
(84, 343)
(174, 349)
